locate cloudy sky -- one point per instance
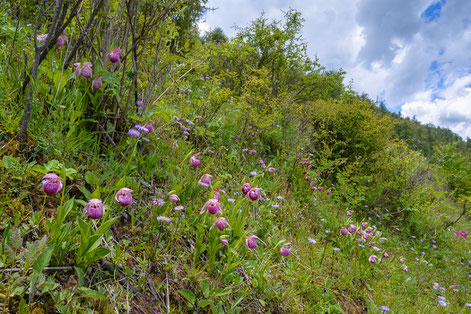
(413, 54)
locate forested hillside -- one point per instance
(147, 168)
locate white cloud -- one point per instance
(387, 48)
(452, 107)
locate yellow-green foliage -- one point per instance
(340, 129)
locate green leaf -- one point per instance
(224, 292)
(85, 192)
(188, 295)
(237, 301)
(204, 303)
(92, 294)
(105, 226)
(330, 282)
(15, 240)
(99, 253)
(262, 302)
(96, 193)
(43, 259)
(63, 212)
(9, 252)
(205, 288)
(80, 276)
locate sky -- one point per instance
(415, 55)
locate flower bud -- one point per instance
(124, 197)
(174, 198)
(51, 183)
(224, 242)
(386, 255)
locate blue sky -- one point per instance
(413, 54)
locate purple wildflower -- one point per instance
(134, 133)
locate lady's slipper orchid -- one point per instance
(352, 228)
(87, 70)
(51, 183)
(343, 231)
(174, 198)
(213, 207)
(114, 55)
(124, 197)
(373, 259)
(149, 126)
(386, 255)
(217, 193)
(271, 170)
(364, 224)
(205, 180)
(251, 243)
(349, 213)
(245, 188)
(254, 194)
(61, 39)
(97, 82)
(221, 223)
(193, 161)
(78, 69)
(252, 152)
(284, 250)
(94, 209)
